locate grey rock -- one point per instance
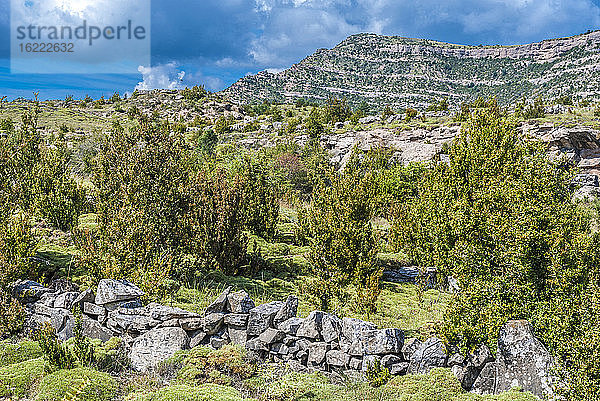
(237, 336)
(303, 344)
(261, 317)
(399, 368)
(271, 336)
(522, 361)
(93, 309)
(218, 342)
(302, 356)
(58, 318)
(47, 299)
(219, 305)
(95, 330)
(355, 363)
(156, 346)
(164, 313)
(389, 360)
(337, 358)
(61, 285)
(85, 296)
(129, 321)
(280, 349)
(28, 291)
(213, 323)
(197, 338)
(466, 375)
(317, 352)
(238, 320)
(331, 328)
(239, 302)
(480, 356)
(287, 311)
(290, 326)
(65, 300)
(116, 290)
(456, 359)
(192, 323)
(67, 330)
(409, 348)
(311, 326)
(354, 329)
(431, 354)
(130, 304)
(378, 342)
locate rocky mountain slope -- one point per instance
(401, 72)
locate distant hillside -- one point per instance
(406, 72)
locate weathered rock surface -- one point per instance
(157, 345)
(430, 354)
(116, 290)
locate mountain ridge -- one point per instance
(407, 72)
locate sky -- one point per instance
(216, 42)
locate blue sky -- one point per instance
(215, 42)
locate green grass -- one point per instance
(82, 383)
(11, 353)
(18, 380)
(205, 392)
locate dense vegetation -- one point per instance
(177, 212)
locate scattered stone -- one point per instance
(237, 336)
(197, 338)
(116, 290)
(156, 346)
(399, 368)
(85, 296)
(95, 330)
(93, 309)
(28, 291)
(389, 360)
(65, 300)
(132, 304)
(213, 323)
(409, 348)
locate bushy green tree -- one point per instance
(342, 243)
(499, 218)
(337, 110)
(314, 126)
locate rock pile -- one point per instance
(272, 332)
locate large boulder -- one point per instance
(156, 346)
(378, 342)
(116, 290)
(522, 361)
(430, 354)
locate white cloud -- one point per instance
(170, 76)
(166, 76)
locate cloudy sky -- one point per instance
(215, 42)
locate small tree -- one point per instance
(314, 127)
(336, 110)
(342, 242)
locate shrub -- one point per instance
(56, 353)
(342, 242)
(499, 218)
(222, 126)
(336, 110)
(205, 392)
(259, 199)
(12, 315)
(376, 374)
(207, 141)
(195, 93)
(17, 380)
(314, 127)
(204, 365)
(78, 383)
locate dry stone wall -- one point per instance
(273, 332)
